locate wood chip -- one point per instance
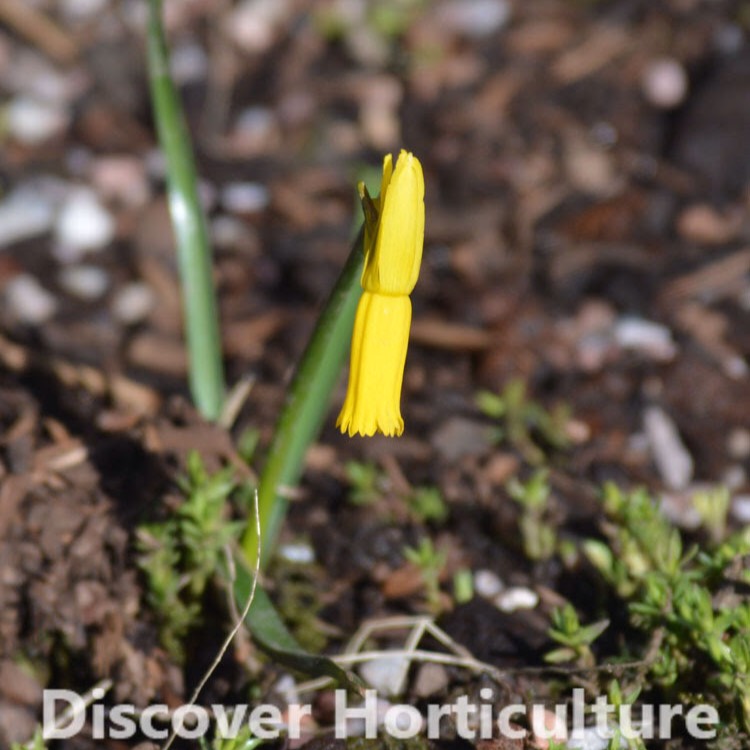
(452, 336)
(604, 44)
(39, 29)
(716, 280)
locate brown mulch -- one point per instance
(562, 203)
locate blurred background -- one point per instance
(587, 169)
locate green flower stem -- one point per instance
(206, 371)
(307, 404)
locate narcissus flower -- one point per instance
(394, 235)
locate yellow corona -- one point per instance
(394, 236)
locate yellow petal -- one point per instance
(394, 255)
(379, 344)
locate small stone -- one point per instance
(25, 214)
(255, 130)
(550, 725)
(81, 10)
(133, 303)
(19, 684)
(83, 225)
(252, 24)
(734, 477)
(458, 437)
(705, 225)
(299, 554)
(120, 178)
(589, 738)
(653, 339)
(487, 584)
(431, 679)
(679, 509)
(738, 443)
(665, 83)
(741, 508)
(589, 167)
(228, 232)
(244, 197)
(84, 282)
(673, 462)
(478, 18)
(17, 723)
(34, 121)
(28, 301)
(384, 674)
(516, 597)
(188, 63)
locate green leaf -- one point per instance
(271, 635)
(206, 371)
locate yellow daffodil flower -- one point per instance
(394, 235)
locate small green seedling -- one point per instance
(526, 425)
(576, 639)
(364, 482)
(430, 562)
(181, 554)
(427, 504)
(537, 534)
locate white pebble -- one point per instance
(83, 224)
(255, 122)
(188, 63)
(33, 76)
(23, 215)
(590, 739)
(84, 282)
(300, 554)
(28, 301)
(738, 443)
(252, 23)
(133, 303)
(120, 178)
(646, 336)
(517, 597)
(487, 584)
(81, 10)
(665, 83)
(33, 121)
(734, 476)
(478, 18)
(244, 197)
(228, 232)
(741, 508)
(384, 674)
(673, 462)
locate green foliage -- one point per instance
(463, 586)
(179, 555)
(247, 444)
(537, 534)
(524, 424)
(35, 743)
(430, 562)
(684, 600)
(713, 507)
(364, 482)
(576, 639)
(298, 602)
(243, 741)
(367, 484)
(427, 504)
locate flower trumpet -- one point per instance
(394, 236)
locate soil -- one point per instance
(587, 226)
